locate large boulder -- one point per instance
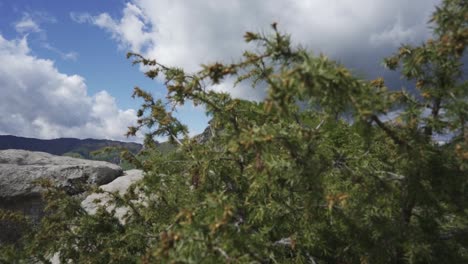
(119, 185)
(95, 200)
(20, 169)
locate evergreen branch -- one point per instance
(391, 133)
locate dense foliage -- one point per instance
(314, 173)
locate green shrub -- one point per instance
(288, 180)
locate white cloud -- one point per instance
(39, 101)
(130, 31)
(81, 17)
(26, 25)
(399, 34)
(189, 33)
(30, 22)
(71, 56)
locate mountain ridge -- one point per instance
(82, 148)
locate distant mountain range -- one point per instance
(81, 148)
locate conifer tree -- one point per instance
(289, 179)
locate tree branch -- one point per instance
(392, 134)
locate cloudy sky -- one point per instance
(63, 71)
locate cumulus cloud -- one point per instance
(39, 101)
(189, 33)
(130, 31)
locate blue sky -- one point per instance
(63, 71)
(98, 59)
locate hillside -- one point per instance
(81, 148)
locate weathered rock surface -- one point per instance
(93, 201)
(119, 185)
(19, 169)
(206, 135)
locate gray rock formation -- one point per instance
(95, 200)
(120, 185)
(206, 135)
(19, 169)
